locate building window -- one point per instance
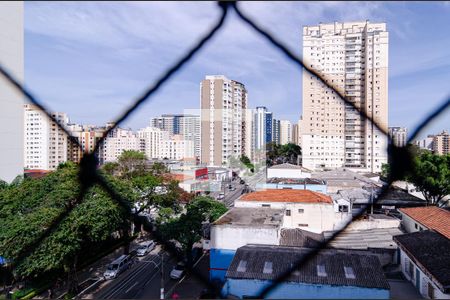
(343, 208)
(242, 267)
(288, 212)
(321, 272)
(349, 273)
(301, 210)
(302, 225)
(265, 205)
(415, 226)
(268, 267)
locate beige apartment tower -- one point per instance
(223, 120)
(352, 56)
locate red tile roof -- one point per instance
(301, 196)
(431, 217)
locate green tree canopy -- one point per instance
(131, 163)
(29, 208)
(431, 176)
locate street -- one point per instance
(141, 280)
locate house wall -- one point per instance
(290, 290)
(321, 188)
(418, 278)
(317, 217)
(225, 239)
(410, 225)
(287, 173)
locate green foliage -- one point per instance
(276, 154)
(431, 175)
(187, 228)
(29, 208)
(385, 170)
(131, 163)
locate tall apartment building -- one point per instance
(45, 144)
(177, 148)
(168, 122)
(87, 136)
(295, 134)
(441, 143)
(117, 141)
(11, 102)
(151, 141)
(190, 129)
(276, 131)
(426, 143)
(399, 136)
(352, 56)
(285, 132)
(223, 119)
(262, 127)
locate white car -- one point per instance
(117, 266)
(145, 248)
(221, 196)
(177, 271)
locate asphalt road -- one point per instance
(141, 280)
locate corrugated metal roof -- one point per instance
(366, 266)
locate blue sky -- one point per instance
(90, 59)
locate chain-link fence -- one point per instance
(399, 158)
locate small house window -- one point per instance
(301, 210)
(321, 272)
(415, 225)
(268, 267)
(349, 273)
(288, 212)
(343, 208)
(302, 225)
(265, 205)
(242, 267)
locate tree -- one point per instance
(431, 176)
(385, 171)
(30, 207)
(131, 163)
(276, 154)
(187, 228)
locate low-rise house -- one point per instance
(425, 261)
(344, 179)
(308, 210)
(239, 227)
(312, 184)
(332, 274)
(287, 170)
(423, 218)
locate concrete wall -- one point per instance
(287, 173)
(232, 237)
(290, 290)
(374, 224)
(11, 102)
(419, 279)
(410, 225)
(318, 217)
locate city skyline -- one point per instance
(89, 78)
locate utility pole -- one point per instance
(162, 277)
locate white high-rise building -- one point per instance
(190, 129)
(11, 102)
(223, 120)
(285, 132)
(151, 141)
(117, 141)
(262, 126)
(45, 144)
(352, 56)
(177, 148)
(399, 136)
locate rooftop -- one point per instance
(298, 196)
(380, 238)
(431, 217)
(289, 166)
(240, 216)
(295, 181)
(299, 238)
(330, 266)
(430, 252)
(344, 178)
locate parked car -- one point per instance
(221, 196)
(145, 248)
(178, 271)
(117, 266)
